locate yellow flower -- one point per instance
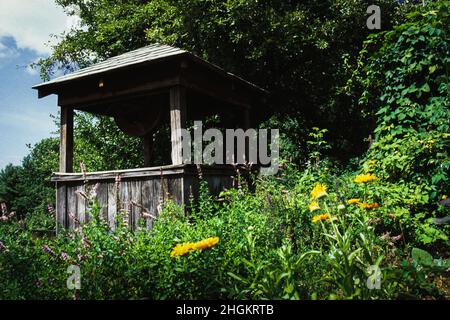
(369, 206)
(319, 191)
(182, 249)
(364, 178)
(206, 243)
(313, 206)
(321, 217)
(185, 248)
(353, 201)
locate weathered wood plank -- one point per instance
(81, 205)
(112, 204)
(61, 206)
(148, 200)
(149, 193)
(108, 175)
(125, 200)
(72, 206)
(175, 190)
(136, 202)
(151, 198)
(102, 197)
(185, 169)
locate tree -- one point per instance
(9, 183)
(302, 52)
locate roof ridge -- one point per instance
(151, 52)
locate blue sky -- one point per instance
(25, 28)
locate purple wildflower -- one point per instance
(50, 209)
(64, 256)
(48, 250)
(86, 243)
(74, 218)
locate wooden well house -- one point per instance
(142, 89)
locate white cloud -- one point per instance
(30, 22)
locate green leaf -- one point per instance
(425, 88)
(422, 257)
(432, 69)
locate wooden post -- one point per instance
(148, 149)
(177, 121)
(66, 143)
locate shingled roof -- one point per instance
(146, 55)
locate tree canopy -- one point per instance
(302, 52)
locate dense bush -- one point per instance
(405, 87)
(307, 242)
(404, 83)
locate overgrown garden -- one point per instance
(358, 210)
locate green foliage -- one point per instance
(269, 248)
(9, 186)
(405, 81)
(280, 278)
(279, 241)
(101, 145)
(426, 260)
(27, 188)
(303, 52)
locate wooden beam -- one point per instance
(140, 173)
(86, 97)
(66, 142)
(177, 121)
